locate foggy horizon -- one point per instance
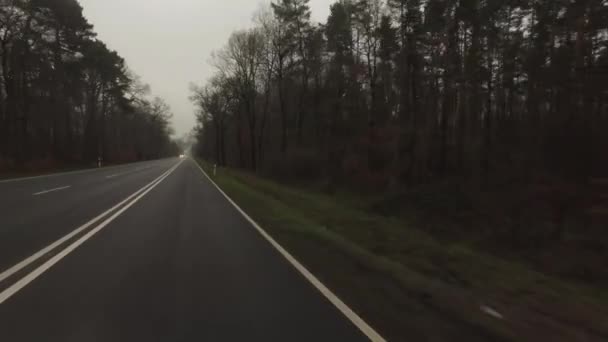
(169, 59)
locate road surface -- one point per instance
(149, 252)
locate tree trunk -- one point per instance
(302, 108)
(91, 130)
(9, 105)
(283, 105)
(371, 70)
(317, 107)
(222, 144)
(68, 133)
(253, 143)
(451, 65)
(488, 125)
(24, 117)
(3, 116)
(218, 142)
(102, 148)
(55, 98)
(445, 113)
(263, 123)
(239, 139)
(414, 115)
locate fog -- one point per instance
(168, 43)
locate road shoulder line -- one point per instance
(365, 328)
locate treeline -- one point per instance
(414, 91)
(65, 98)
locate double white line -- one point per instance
(122, 206)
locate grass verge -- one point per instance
(410, 286)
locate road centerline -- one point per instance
(44, 192)
(36, 256)
(31, 276)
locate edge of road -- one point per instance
(363, 326)
(74, 172)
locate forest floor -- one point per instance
(408, 284)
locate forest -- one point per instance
(497, 106)
(66, 98)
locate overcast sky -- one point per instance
(168, 43)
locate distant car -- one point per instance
(182, 156)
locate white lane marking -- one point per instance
(325, 291)
(105, 168)
(127, 172)
(51, 190)
(491, 312)
(51, 175)
(26, 262)
(23, 282)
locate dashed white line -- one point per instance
(51, 190)
(127, 172)
(489, 311)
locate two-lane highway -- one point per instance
(151, 252)
(37, 211)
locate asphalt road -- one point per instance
(174, 262)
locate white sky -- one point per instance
(168, 43)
